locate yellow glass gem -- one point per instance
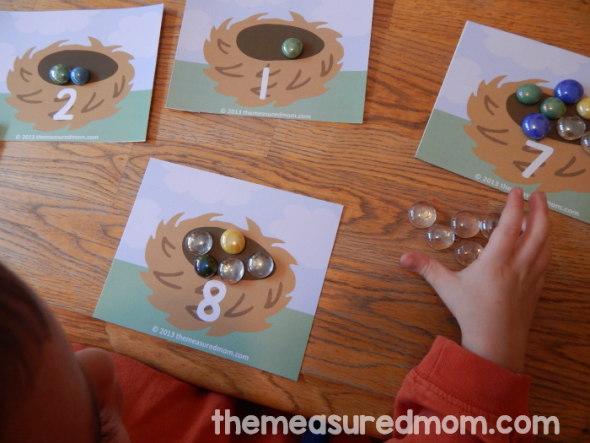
(232, 241)
(583, 108)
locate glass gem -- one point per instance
(292, 48)
(536, 126)
(585, 142)
(467, 251)
(489, 222)
(79, 76)
(583, 108)
(206, 266)
(422, 214)
(232, 241)
(571, 127)
(231, 270)
(553, 108)
(59, 74)
(465, 224)
(198, 242)
(440, 236)
(529, 94)
(260, 265)
(570, 91)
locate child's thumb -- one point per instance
(437, 275)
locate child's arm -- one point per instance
(494, 301)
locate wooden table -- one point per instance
(64, 206)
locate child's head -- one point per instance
(48, 393)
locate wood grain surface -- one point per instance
(63, 208)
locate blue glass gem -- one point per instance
(206, 266)
(570, 91)
(292, 48)
(59, 74)
(536, 126)
(79, 76)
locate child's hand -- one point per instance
(494, 299)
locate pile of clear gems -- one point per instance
(463, 225)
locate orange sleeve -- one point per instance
(452, 381)
(159, 408)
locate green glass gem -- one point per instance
(553, 108)
(292, 48)
(529, 94)
(59, 74)
(206, 266)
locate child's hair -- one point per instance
(24, 328)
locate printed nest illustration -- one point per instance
(496, 116)
(237, 56)
(178, 290)
(36, 98)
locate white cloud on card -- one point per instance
(138, 35)
(348, 17)
(304, 234)
(7, 56)
(526, 53)
(52, 23)
(142, 224)
(196, 28)
(463, 78)
(253, 3)
(209, 188)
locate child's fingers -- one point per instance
(437, 275)
(535, 237)
(505, 236)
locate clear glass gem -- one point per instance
(422, 214)
(231, 270)
(467, 251)
(571, 127)
(465, 224)
(198, 242)
(440, 236)
(585, 142)
(488, 223)
(260, 265)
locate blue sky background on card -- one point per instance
(136, 30)
(484, 53)
(351, 18)
(306, 225)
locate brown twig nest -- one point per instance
(237, 56)
(34, 95)
(496, 116)
(178, 289)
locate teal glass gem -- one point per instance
(553, 108)
(206, 266)
(59, 74)
(79, 76)
(292, 48)
(529, 94)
